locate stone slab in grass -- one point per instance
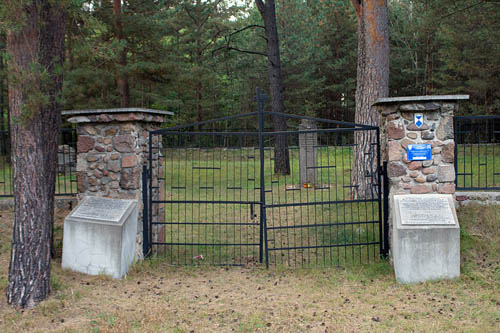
(425, 238)
(99, 236)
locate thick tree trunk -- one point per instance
(281, 155)
(37, 51)
(372, 83)
(122, 83)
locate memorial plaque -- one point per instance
(100, 236)
(103, 209)
(425, 209)
(425, 238)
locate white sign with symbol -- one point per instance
(419, 119)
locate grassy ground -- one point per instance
(478, 165)
(65, 181)
(156, 297)
(304, 223)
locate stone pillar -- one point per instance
(112, 148)
(398, 130)
(308, 157)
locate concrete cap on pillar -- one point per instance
(412, 99)
(116, 114)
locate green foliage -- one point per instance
(12, 15)
(470, 54)
(178, 57)
(30, 81)
(338, 29)
(447, 47)
(302, 53)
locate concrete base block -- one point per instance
(425, 252)
(95, 246)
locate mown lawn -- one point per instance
(478, 165)
(157, 297)
(65, 181)
(213, 197)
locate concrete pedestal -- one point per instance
(100, 237)
(428, 247)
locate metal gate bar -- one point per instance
(310, 225)
(217, 199)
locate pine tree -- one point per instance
(35, 42)
(372, 83)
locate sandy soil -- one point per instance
(158, 297)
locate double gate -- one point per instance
(232, 191)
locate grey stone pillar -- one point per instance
(112, 148)
(308, 157)
(398, 130)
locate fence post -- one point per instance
(261, 100)
(455, 138)
(386, 247)
(145, 220)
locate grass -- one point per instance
(479, 165)
(65, 182)
(315, 231)
(157, 297)
(323, 219)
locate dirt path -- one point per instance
(157, 297)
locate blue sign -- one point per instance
(419, 152)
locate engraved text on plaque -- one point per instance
(424, 209)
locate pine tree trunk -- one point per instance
(281, 153)
(372, 83)
(38, 44)
(122, 84)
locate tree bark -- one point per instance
(372, 83)
(281, 155)
(199, 55)
(37, 57)
(122, 83)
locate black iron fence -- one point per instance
(477, 152)
(220, 199)
(66, 164)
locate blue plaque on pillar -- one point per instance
(419, 152)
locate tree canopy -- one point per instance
(175, 55)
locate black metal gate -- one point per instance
(213, 193)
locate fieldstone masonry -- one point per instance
(398, 130)
(112, 148)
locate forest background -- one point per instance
(204, 58)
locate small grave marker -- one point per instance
(308, 156)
